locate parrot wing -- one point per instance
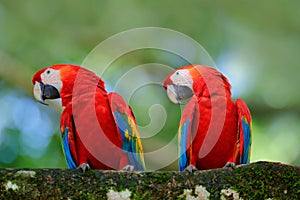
(126, 123)
(68, 137)
(186, 132)
(244, 132)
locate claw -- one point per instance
(84, 167)
(191, 168)
(128, 168)
(229, 165)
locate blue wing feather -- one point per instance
(244, 134)
(126, 124)
(183, 134)
(130, 142)
(245, 158)
(70, 162)
(187, 128)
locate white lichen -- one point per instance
(24, 173)
(187, 194)
(10, 185)
(200, 191)
(225, 193)
(114, 195)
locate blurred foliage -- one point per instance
(256, 44)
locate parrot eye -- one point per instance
(177, 73)
(48, 72)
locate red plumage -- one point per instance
(89, 127)
(210, 128)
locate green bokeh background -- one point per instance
(256, 44)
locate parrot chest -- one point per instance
(216, 134)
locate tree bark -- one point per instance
(261, 180)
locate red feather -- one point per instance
(93, 136)
(213, 133)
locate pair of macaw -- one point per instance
(99, 130)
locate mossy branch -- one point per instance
(261, 180)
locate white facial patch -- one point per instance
(52, 77)
(37, 91)
(172, 94)
(183, 78)
(182, 87)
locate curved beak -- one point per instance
(178, 93)
(43, 92)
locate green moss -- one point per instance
(260, 180)
(274, 181)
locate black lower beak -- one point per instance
(49, 91)
(183, 93)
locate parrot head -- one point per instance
(191, 80)
(54, 82)
(179, 84)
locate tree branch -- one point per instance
(259, 180)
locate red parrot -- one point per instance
(214, 131)
(98, 129)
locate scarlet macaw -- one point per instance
(214, 131)
(98, 129)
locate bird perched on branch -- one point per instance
(214, 131)
(98, 129)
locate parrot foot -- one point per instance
(229, 165)
(84, 167)
(191, 168)
(128, 168)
